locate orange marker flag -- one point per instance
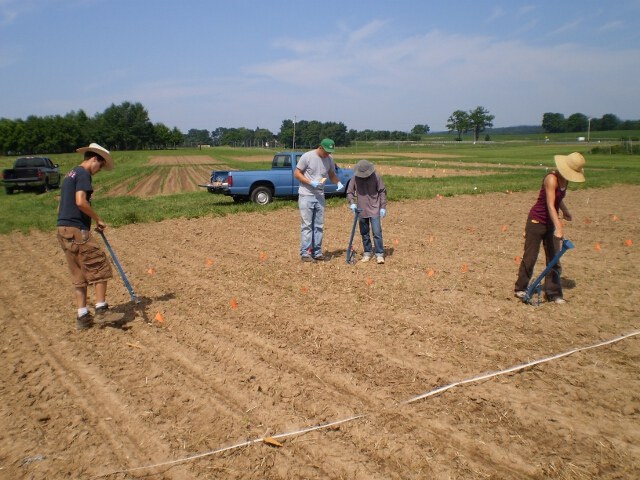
(396, 242)
(587, 220)
(430, 273)
(615, 218)
(304, 290)
(464, 268)
(151, 271)
(369, 282)
(504, 228)
(209, 262)
(159, 317)
(234, 304)
(629, 242)
(263, 256)
(431, 239)
(598, 247)
(516, 259)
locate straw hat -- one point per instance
(103, 152)
(571, 166)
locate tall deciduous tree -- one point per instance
(479, 120)
(458, 122)
(608, 122)
(577, 122)
(420, 129)
(554, 122)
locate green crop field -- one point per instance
(497, 166)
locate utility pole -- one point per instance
(294, 132)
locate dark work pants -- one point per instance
(535, 234)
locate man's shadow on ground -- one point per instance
(128, 312)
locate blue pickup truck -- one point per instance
(262, 186)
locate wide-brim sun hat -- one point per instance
(103, 152)
(571, 166)
(328, 145)
(363, 169)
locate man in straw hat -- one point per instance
(367, 193)
(544, 225)
(87, 263)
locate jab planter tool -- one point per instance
(350, 252)
(536, 286)
(134, 298)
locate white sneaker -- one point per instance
(365, 258)
(520, 294)
(380, 260)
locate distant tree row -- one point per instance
(127, 127)
(300, 134)
(579, 122)
(119, 127)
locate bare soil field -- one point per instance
(242, 362)
(175, 174)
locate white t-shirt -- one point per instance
(315, 168)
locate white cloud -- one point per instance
(611, 26)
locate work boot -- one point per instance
(84, 322)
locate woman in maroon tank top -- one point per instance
(544, 225)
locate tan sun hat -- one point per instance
(363, 169)
(103, 152)
(571, 166)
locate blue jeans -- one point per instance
(312, 224)
(376, 226)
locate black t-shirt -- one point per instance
(69, 214)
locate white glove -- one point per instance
(340, 187)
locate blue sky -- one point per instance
(373, 64)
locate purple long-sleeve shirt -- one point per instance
(369, 194)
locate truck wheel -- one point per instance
(261, 195)
(9, 190)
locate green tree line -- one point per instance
(127, 127)
(579, 122)
(119, 127)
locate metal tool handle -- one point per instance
(566, 245)
(134, 298)
(350, 253)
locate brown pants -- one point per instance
(87, 263)
(535, 234)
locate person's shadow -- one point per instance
(130, 311)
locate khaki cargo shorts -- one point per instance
(87, 262)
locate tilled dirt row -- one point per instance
(236, 340)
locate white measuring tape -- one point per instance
(356, 417)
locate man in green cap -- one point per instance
(312, 171)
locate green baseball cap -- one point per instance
(328, 145)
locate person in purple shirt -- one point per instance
(367, 193)
(544, 225)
